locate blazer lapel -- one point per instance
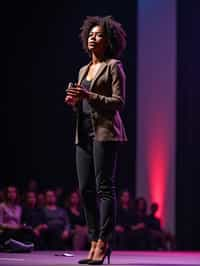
(84, 71)
(99, 72)
(82, 74)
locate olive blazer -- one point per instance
(107, 98)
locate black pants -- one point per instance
(96, 164)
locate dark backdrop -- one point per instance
(41, 51)
(188, 125)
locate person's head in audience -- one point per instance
(30, 199)
(141, 206)
(40, 200)
(154, 208)
(11, 195)
(32, 185)
(50, 197)
(74, 200)
(125, 199)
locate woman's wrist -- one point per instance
(88, 95)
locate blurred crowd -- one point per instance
(53, 220)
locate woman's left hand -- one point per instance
(78, 92)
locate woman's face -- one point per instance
(97, 41)
(12, 194)
(31, 198)
(50, 197)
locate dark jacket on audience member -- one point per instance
(153, 223)
(57, 219)
(124, 217)
(33, 216)
(76, 219)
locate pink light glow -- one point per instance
(158, 161)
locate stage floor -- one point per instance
(56, 258)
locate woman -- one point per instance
(98, 98)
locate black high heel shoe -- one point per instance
(90, 255)
(103, 250)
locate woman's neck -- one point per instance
(97, 58)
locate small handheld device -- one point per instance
(70, 85)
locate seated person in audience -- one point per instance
(33, 217)
(123, 222)
(77, 221)
(139, 238)
(157, 236)
(10, 212)
(153, 221)
(57, 234)
(10, 218)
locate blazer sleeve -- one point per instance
(117, 100)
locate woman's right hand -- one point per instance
(70, 100)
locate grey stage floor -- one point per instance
(118, 258)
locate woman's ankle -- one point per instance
(92, 249)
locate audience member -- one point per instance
(10, 219)
(33, 217)
(123, 222)
(139, 231)
(57, 234)
(156, 236)
(77, 221)
(159, 239)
